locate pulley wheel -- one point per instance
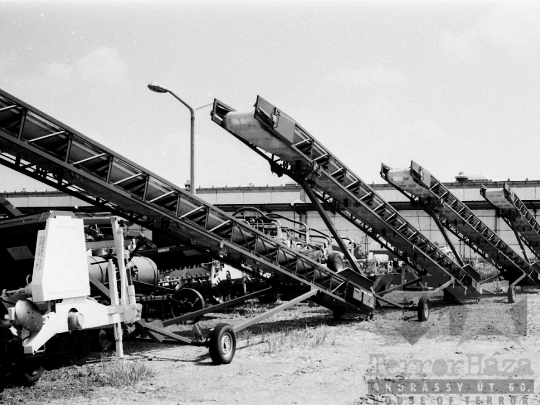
(185, 301)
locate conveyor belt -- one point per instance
(43, 148)
(516, 215)
(421, 186)
(291, 150)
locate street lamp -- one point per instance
(160, 89)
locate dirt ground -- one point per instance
(304, 356)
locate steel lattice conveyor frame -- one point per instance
(516, 215)
(37, 145)
(291, 150)
(422, 188)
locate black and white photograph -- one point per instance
(269, 202)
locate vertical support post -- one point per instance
(192, 138)
(23, 121)
(145, 192)
(68, 148)
(192, 153)
(120, 257)
(109, 169)
(177, 211)
(113, 288)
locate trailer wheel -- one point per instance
(29, 374)
(423, 308)
(511, 294)
(222, 344)
(102, 340)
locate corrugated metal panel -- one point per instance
(392, 195)
(257, 198)
(262, 195)
(19, 201)
(232, 198)
(287, 197)
(60, 200)
(526, 193)
(470, 194)
(210, 198)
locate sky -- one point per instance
(452, 85)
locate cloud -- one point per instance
(512, 26)
(104, 65)
(100, 66)
(369, 78)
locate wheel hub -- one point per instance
(226, 344)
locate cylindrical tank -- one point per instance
(142, 269)
(97, 267)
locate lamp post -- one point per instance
(160, 89)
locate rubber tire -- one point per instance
(29, 376)
(102, 340)
(423, 309)
(334, 262)
(511, 294)
(223, 335)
